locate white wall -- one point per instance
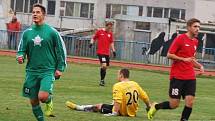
(2, 20)
(204, 10)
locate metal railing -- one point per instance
(131, 51)
(9, 39)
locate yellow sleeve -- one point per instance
(117, 94)
(143, 95)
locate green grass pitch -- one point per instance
(80, 84)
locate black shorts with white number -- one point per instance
(106, 108)
(182, 88)
(104, 59)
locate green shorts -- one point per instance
(37, 82)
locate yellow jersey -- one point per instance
(127, 95)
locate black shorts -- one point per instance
(182, 88)
(104, 59)
(106, 108)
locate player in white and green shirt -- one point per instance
(46, 60)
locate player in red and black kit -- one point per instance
(104, 39)
(182, 74)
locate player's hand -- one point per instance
(111, 114)
(90, 45)
(20, 60)
(57, 74)
(202, 70)
(114, 54)
(190, 59)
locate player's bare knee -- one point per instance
(174, 105)
(98, 106)
(189, 103)
(95, 109)
(104, 67)
(43, 96)
(189, 100)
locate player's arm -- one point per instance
(60, 50)
(112, 47)
(198, 65)
(91, 42)
(175, 46)
(21, 52)
(93, 39)
(116, 107)
(175, 57)
(115, 110)
(144, 96)
(117, 99)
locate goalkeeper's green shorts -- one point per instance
(37, 82)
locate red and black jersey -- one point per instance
(104, 40)
(185, 47)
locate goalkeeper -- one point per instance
(126, 95)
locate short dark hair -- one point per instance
(124, 72)
(43, 9)
(109, 23)
(192, 20)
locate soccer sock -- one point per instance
(38, 113)
(102, 73)
(84, 107)
(49, 99)
(163, 105)
(186, 113)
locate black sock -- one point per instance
(186, 113)
(102, 73)
(163, 105)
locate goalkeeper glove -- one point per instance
(114, 54)
(90, 45)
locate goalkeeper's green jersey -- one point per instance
(44, 47)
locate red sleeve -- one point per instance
(96, 35)
(175, 45)
(112, 38)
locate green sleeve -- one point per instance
(22, 47)
(60, 52)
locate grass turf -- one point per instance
(80, 84)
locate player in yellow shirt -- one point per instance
(126, 95)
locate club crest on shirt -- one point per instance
(108, 35)
(37, 40)
(187, 45)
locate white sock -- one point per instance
(82, 107)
